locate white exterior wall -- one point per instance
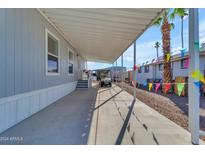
(25, 88)
(142, 77)
(202, 63)
(159, 74)
(19, 107)
(177, 71)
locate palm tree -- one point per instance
(166, 27)
(157, 45)
(180, 12)
(203, 45)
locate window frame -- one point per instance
(73, 61)
(140, 69)
(47, 32)
(181, 63)
(159, 67)
(146, 70)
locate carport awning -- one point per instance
(101, 34)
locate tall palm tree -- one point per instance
(180, 12)
(166, 27)
(157, 45)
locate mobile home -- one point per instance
(38, 66)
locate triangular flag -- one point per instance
(186, 65)
(168, 57)
(198, 76)
(150, 86)
(167, 86)
(138, 66)
(145, 84)
(198, 84)
(133, 83)
(183, 50)
(135, 67)
(180, 87)
(196, 46)
(157, 86)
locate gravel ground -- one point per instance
(170, 105)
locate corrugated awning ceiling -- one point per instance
(101, 34)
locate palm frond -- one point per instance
(173, 15)
(181, 12)
(158, 21)
(172, 26)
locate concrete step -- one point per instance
(84, 81)
(82, 87)
(82, 84)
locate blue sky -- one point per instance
(145, 50)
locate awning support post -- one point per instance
(193, 93)
(116, 73)
(122, 74)
(134, 70)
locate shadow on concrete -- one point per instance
(104, 90)
(108, 100)
(125, 124)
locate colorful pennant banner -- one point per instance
(150, 86)
(157, 86)
(180, 87)
(138, 66)
(145, 84)
(133, 83)
(198, 76)
(183, 50)
(168, 57)
(167, 86)
(186, 65)
(198, 84)
(196, 46)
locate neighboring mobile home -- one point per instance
(38, 66)
(154, 70)
(115, 71)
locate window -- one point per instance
(52, 54)
(184, 63)
(161, 67)
(140, 69)
(70, 62)
(146, 69)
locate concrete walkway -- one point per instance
(104, 116)
(119, 120)
(67, 121)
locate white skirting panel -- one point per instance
(16, 108)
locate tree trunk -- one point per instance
(166, 28)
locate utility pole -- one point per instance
(157, 45)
